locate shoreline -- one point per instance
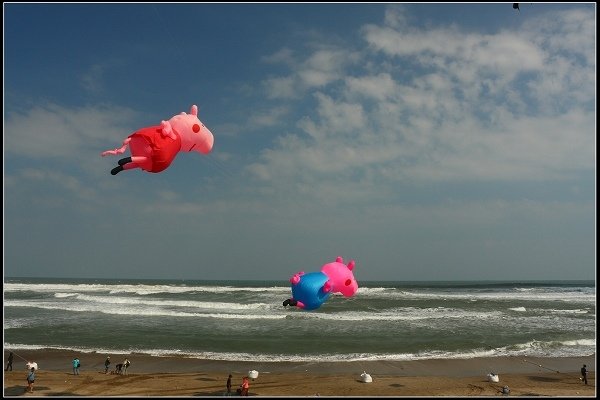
(177, 376)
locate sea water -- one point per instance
(246, 320)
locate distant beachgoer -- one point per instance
(126, 365)
(10, 360)
(106, 364)
(245, 386)
(584, 374)
(118, 369)
(30, 380)
(229, 385)
(76, 365)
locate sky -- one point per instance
(424, 141)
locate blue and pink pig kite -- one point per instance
(310, 291)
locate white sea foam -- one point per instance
(583, 295)
(474, 294)
(210, 305)
(134, 289)
(531, 349)
(63, 295)
(251, 311)
(133, 309)
(520, 309)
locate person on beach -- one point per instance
(118, 369)
(126, 365)
(10, 360)
(30, 380)
(243, 390)
(106, 364)
(76, 365)
(229, 385)
(584, 374)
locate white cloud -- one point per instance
(322, 67)
(271, 117)
(284, 55)
(379, 87)
(57, 131)
(281, 88)
(443, 105)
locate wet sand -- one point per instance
(174, 376)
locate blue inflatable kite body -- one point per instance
(309, 290)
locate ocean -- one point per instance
(246, 320)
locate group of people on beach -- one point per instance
(242, 390)
(32, 367)
(120, 369)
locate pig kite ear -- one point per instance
(351, 265)
(194, 110)
(167, 130)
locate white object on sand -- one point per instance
(30, 365)
(253, 374)
(493, 377)
(366, 378)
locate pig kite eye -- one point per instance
(196, 128)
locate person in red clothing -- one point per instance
(244, 387)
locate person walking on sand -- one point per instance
(106, 364)
(245, 386)
(30, 380)
(76, 365)
(10, 360)
(126, 365)
(229, 385)
(584, 374)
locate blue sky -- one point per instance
(424, 141)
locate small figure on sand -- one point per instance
(118, 369)
(30, 379)
(229, 385)
(244, 387)
(10, 361)
(584, 374)
(126, 365)
(76, 365)
(106, 364)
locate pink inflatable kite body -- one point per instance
(341, 277)
(154, 148)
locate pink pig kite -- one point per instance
(154, 148)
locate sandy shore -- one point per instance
(172, 376)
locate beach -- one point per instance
(177, 376)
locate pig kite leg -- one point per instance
(127, 162)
